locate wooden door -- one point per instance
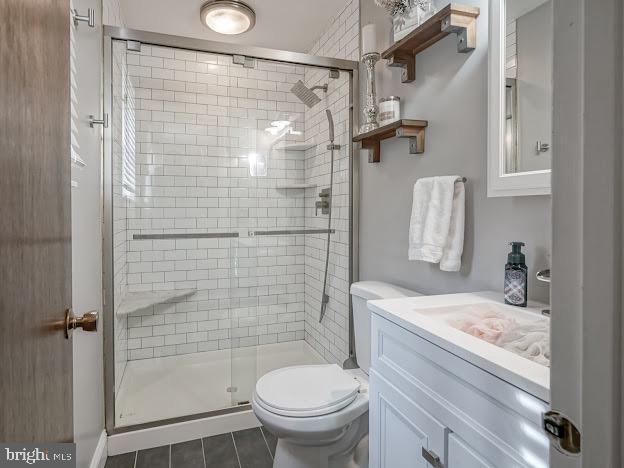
(35, 223)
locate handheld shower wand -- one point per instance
(331, 147)
(330, 121)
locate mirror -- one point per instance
(520, 97)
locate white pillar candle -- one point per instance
(369, 39)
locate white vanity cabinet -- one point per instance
(460, 454)
(405, 428)
(429, 407)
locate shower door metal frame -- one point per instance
(179, 42)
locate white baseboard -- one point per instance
(101, 452)
(180, 432)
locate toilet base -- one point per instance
(350, 451)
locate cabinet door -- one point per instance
(460, 455)
(400, 429)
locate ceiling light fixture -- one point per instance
(228, 16)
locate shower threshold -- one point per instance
(169, 387)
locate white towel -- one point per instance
(437, 225)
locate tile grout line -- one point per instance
(203, 452)
(266, 443)
(236, 450)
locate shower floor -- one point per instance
(174, 386)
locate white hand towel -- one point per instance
(437, 224)
(451, 257)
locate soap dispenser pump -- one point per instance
(516, 276)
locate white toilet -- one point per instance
(319, 413)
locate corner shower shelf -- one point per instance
(136, 301)
(296, 186)
(453, 18)
(294, 146)
(412, 129)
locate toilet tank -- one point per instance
(368, 291)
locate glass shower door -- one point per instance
(174, 239)
(244, 317)
(218, 250)
(268, 209)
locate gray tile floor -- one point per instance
(251, 448)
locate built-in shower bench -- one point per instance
(135, 301)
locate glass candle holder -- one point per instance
(426, 9)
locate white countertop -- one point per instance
(530, 376)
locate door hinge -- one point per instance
(562, 432)
(246, 62)
(133, 46)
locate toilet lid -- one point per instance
(302, 391)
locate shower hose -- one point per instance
(325, 298)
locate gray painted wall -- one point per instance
(449, 92)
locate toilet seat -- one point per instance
(306, 391)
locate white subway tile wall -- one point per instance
(341, 38)
(199, 123)
(120, 204)
(330, 337)
(200, 120)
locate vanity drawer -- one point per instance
(400, 429)
(492, 416)
(461, 455)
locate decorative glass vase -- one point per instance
(425, 10)
(403, 24)
(418, 12)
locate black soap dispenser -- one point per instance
(516, 276)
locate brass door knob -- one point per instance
(88, 322)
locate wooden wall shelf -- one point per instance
(453, 18)
(412, 129)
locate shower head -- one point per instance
(306, 95)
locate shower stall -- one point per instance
(229, 221)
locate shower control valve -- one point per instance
(323, 206)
